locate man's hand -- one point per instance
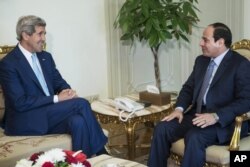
(177, 113)
(67, 94)
(203, 120)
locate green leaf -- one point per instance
(126, 37)
(174, 22)
(192, 12)
(156, 21)
(184, 37)
(145, 9)
(153, 39)
(148, 27)
(186, 8)
(167, 34)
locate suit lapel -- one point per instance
(221, 69)
(200, 75)
(25, 66)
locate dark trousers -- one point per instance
(196, 141)
(76, 118)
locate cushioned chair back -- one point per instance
(243, 47)
(3, 51)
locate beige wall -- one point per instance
(246, 24)
(76, 36)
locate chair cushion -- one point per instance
(13, 148)
(214, 154)
(244, 52)
(2, 55)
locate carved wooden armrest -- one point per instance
(235, 141)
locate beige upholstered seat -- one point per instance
(218, 156)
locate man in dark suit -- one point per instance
(210, 120)
(38, 100)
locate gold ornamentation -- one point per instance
(6, 49)
(243, 44)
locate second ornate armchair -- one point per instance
(218, 156)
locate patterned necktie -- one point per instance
(39, 74)
(205, 85)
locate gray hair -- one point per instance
(27, 24)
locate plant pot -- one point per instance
(156, 99)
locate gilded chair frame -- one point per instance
(243, 44)
(5, 49)
(235, 140)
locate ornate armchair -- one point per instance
(218, 156)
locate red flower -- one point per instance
(48, 164)
(70, 159)
(80, 157)
(86, 163)
(35, 156)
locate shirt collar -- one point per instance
(24, 51)
(219, 58)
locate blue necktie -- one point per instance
(39, 74)
(205, 85)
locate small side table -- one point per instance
(106, 112)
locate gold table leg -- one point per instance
(130, 132)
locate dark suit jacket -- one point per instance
(228, 95)
(25, 101)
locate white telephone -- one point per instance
(126, 104)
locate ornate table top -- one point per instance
(107, 107)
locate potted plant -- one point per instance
(155, 22)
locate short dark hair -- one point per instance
(222, 31)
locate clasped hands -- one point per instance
(201, 120)
(67, 94)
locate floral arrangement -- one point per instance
(55, 158)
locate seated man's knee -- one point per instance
(161, 128)
(81, 104)
(81, 100)
(192, 135)
(75, 121)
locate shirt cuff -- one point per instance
(216, 117)
(180, 108)
(55, 99)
